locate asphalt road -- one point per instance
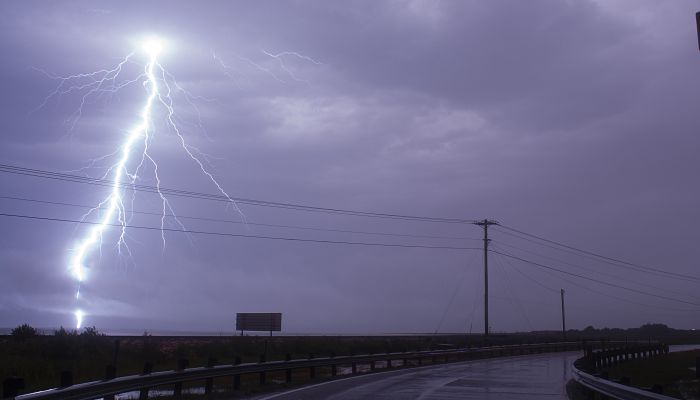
(540, 376)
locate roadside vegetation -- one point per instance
(675, 372)
(41, 358)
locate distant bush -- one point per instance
(24, 332)
(62, 332)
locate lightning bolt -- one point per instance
(132, 155)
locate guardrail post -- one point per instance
(312, 370)
(182, 364)
(237, 377)
(66, 379)
(12, 386)
(263, 359)
(372, 366)
(110, 373)
(209, 382)
(288, 372)
(388, 364)
(147, 369)
(354, 368)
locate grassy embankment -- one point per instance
(674, 371)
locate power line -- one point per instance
(594, 290)
(595, 280)
(526, 276)
(181, 216)
(582, 267)
(282, 238)
(12, 169)
(606, 259)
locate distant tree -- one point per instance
(24, 332)
(91, 331)
(589, 329)
(62, 332)
(654, 329)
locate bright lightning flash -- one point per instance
(132, 155)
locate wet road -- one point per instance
(540, 376)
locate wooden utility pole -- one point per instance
(697, 23)
(485, 223)
(563, 316)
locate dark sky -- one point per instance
(573, 120)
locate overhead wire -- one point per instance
(38, 173)
(511, 293)
(579, 285)
(540, 265)
(583, 267)
(609, 260)
(247, 222)
(280, 238)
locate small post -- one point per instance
(236, 382)
(209, 382)
(312, 370)
(288, 372)
(110, 373)
(147, 369)
(182, 364)
(563, 317)
(354, 368)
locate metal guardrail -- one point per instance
(615, 390)
(141, 383)
(596, 361)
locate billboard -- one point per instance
(259, 322)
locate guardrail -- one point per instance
(613, 389)
(594, 361)
(141, 383)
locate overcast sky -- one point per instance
(572, 120)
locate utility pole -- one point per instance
(563, 316)
(697, 23)
(485, 223)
